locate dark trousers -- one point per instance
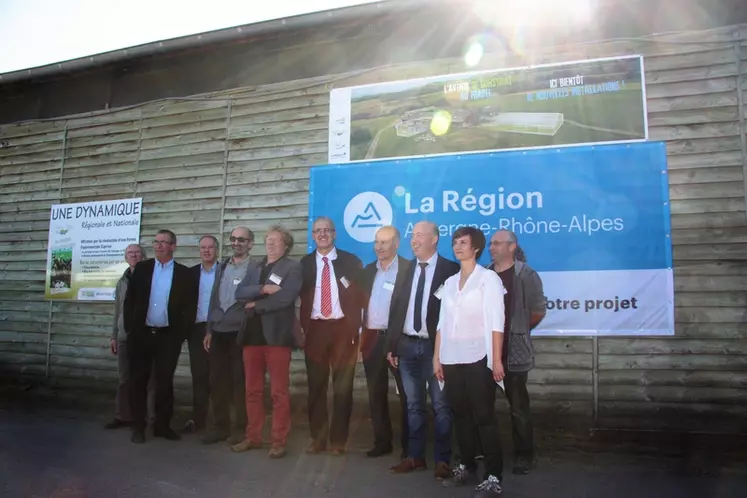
(199, 366)
(521, 421)
(330, 345)
(153, 350)
(470, 389)
(376, 366)
(227, 382)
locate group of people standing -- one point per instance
(451, 331)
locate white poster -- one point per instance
(87, 241)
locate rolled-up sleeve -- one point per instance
(495, 312)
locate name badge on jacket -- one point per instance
(275, 279)
(344, 281)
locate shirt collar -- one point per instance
(165, 266)
(431, 261)
(211, 270)
(332, 255)
(394, 265)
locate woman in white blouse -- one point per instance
(467, 358)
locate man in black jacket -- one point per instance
(199, 364)
(381, 284)
(159, 306)
(410, 343)
(330, 318)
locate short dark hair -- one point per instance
(476, 237)
(217, 244)
(169, 233)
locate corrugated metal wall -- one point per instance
(243, 157)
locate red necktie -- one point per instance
(326, 289)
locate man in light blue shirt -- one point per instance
(199, 364)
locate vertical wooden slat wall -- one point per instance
(207, 164)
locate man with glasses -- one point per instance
(330, 318)
(158, 308)
(226, 317)
(199, 365)
(524, 303)
(134, 253)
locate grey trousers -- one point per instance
(123, 387)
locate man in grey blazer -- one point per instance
(269, 292)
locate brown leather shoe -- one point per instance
(408, 465)
(277, 452)
(315, 447)
(245, 445)
(442, 471)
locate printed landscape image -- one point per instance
(61, 268)
(500, 110)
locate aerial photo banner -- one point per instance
(594, 221)
(554, 105)
(87, 241)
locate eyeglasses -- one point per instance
(162, 242)
(240, 240)
(323, 230)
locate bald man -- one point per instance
(381, 284)
(410, 345)
(225, 318)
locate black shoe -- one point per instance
(191, 427)
(522, 465)
(378, 451)
(489, 488)
(116, 424)
(459, 476)
(166, 433)
(214, 437)
(138, 436)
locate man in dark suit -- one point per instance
(269, 292)
(381, 284)
(411, 340)
(159, 306)
(331, 318)
(203, 275)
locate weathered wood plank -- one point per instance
(279, 105)
(673, 362)
(563, 360)
(710, 283)
(674, 394)
(713, 315)
(268, 129)
(692, 102)
(194, 194)
(710, 299)
(280, 175)
(281, 116)
(183, 128)
(276, 152)
(268, 215)
(683, 378)
(671, 345)
(267, 201)
(718, 190)
(271, 187)
(159, 109)
(694, 117)
(723, 66)
(703, 145)
(181, 151)
(714, 220)
(698, 87)
(184, 139)
(689, 60)
(175, 185)
(710, 130)
(181, 162)
(710, 252)
(281, 140)
(709, 268)
(710, 235)
(300, 161)
(707, 206)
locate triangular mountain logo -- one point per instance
(370, 218)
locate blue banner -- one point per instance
(583, 209)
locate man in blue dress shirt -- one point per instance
(160, 305)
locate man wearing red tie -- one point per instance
(330, 318)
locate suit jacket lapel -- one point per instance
(436, 282)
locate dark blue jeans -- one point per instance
(416, 368)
